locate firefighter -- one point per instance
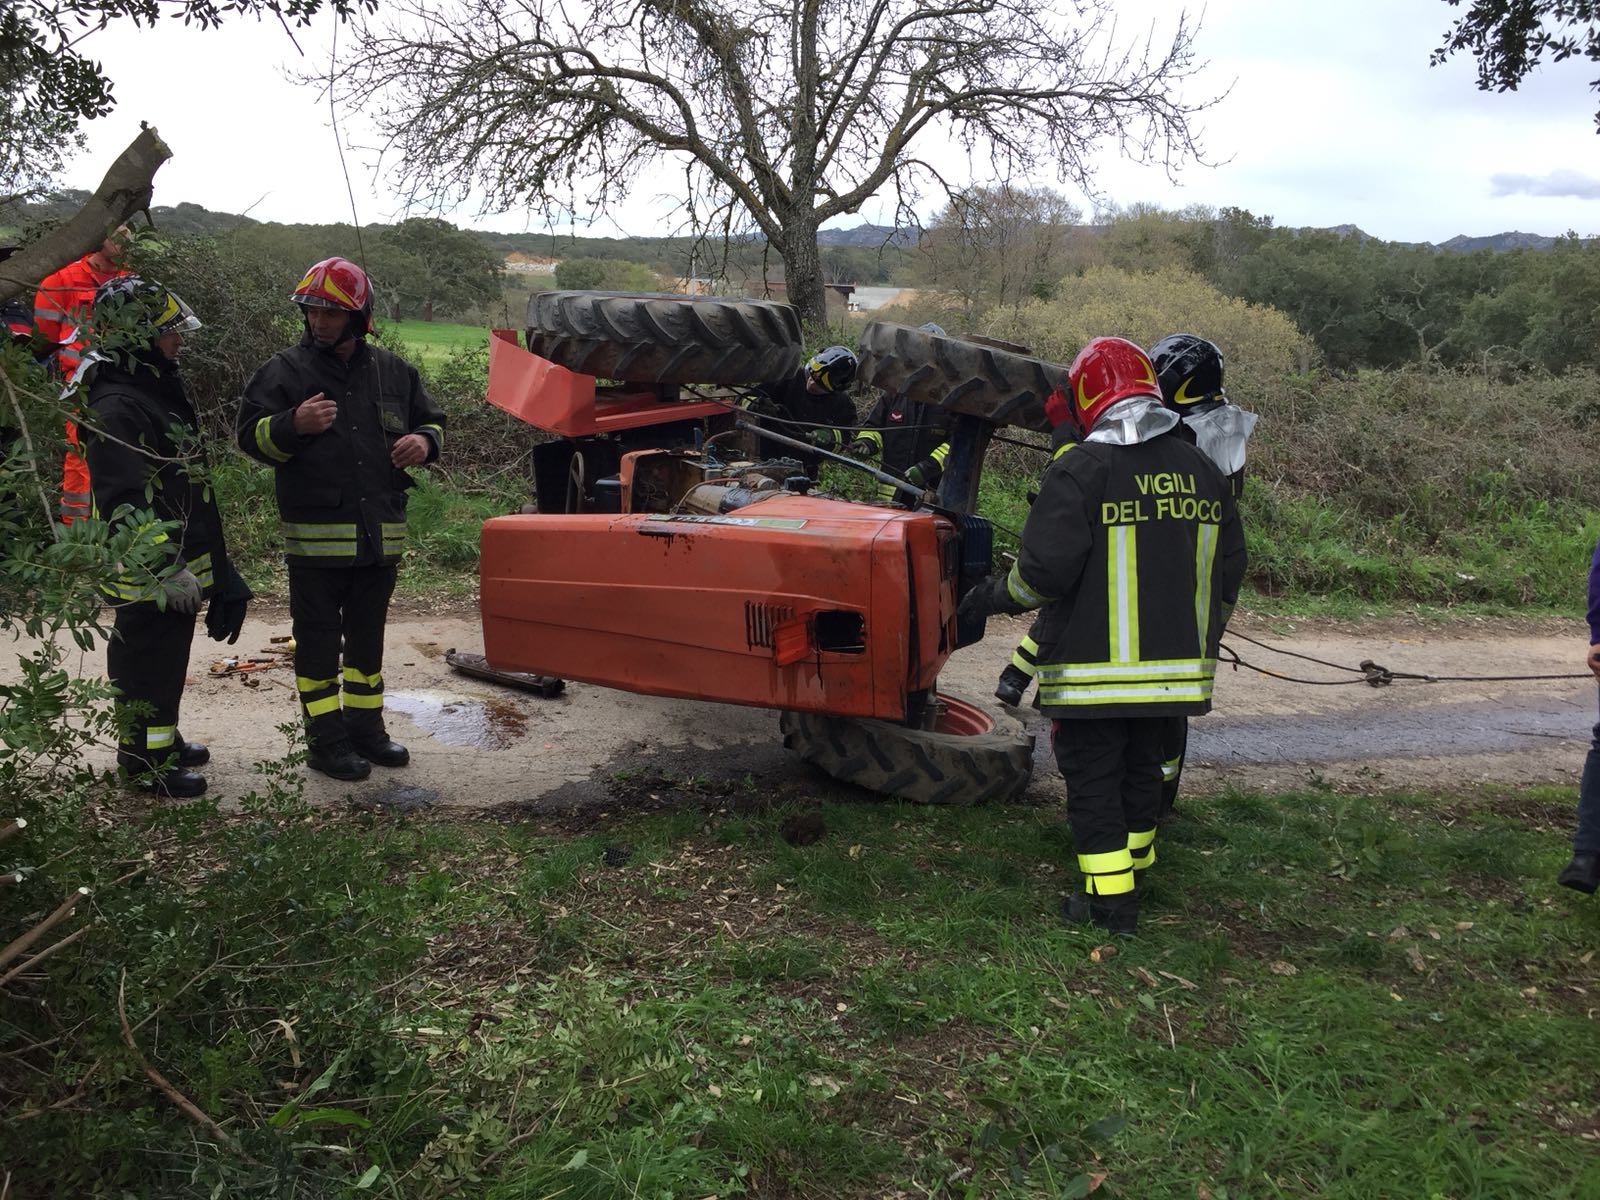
(1582, 874)
(339, 421)
(1190, 371)
(139, 437)
(1135, 553)
(813, 404)
(907, 437)
(60, 313)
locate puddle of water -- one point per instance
(459, 721)
(402, 797)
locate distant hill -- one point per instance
(194, 219)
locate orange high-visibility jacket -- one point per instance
(61, 314)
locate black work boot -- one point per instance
(1012, 686)
(382, 750)
(338, 760)
(191, 754)
(1582, 874)
(373, 743)
(174, 781)
(1115, 914)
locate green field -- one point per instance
(429, 341)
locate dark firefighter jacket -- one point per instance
(1134, 553)
(907, 434)
(341, 501)
(801, 415)
(140, 450)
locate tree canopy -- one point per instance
(1509, 38)
(780, 114)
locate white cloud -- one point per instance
(1557, 183)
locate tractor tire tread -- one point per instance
(915, 764)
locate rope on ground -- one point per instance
(1369, 672)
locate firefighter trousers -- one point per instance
(146, 661)
(1174, 746)
(1112, 768)
(338, 617)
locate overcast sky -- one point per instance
(1332, 116)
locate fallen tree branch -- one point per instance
(183, 1103)
(43, 927)
(27, 964)
(126, 189)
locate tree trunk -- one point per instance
(427, 310)
(125, 190)
(802, 271)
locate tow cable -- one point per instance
(1369, 672)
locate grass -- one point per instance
(429, 342)
(1333, 996)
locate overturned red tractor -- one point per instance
(668, 556)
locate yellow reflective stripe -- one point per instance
(320, 549)
(1150, 693)
(1020, 591)
(887, 491)
(351, 675)
(159, 737)
(297, 529)
(1171, 768)
(363, 700)
(940, 452)
(1122, 593)
(200, 562)
(1147, 861)
(1205, 551)
(1141, 839)
(1137, 672)
(872, 435)
(265, 444)
(1105, 862)
(315, 708)
(436, 430)
(1061, 449)
(1119, 884)
(1026, 665)
(303, 684)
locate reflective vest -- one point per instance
(1132, 553)
(341, 502)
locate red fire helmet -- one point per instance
(337, 283)
(1106, 370)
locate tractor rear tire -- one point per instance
(665, 339)
(959, 375)
(971, 758)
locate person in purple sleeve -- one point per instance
(1583, 872)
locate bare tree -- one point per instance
(1001, 245)
(782, 114)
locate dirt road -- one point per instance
(477, 745)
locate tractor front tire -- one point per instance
(971, 757)
(959, 375)
(665, 339)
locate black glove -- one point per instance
(990, 596)
(979, 602)
(862, 448)
(225, 615)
